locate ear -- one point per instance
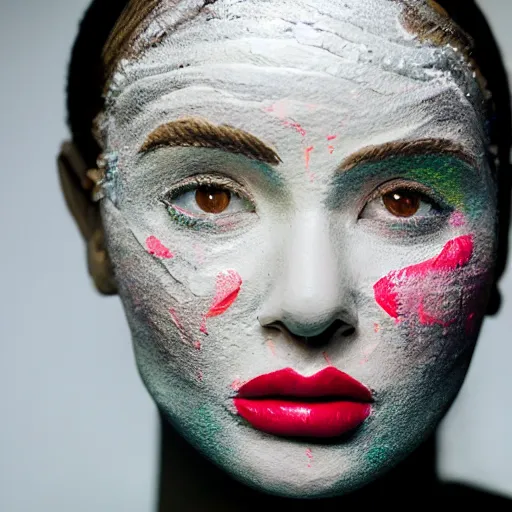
(77, 185)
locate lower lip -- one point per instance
(302, 419)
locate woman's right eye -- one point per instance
(195, 201)
(207, 200)
(212, 199)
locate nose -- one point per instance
(311, 298)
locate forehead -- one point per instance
(347, 67)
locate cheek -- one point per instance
(443, 291)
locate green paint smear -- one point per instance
(206, 421)
(378, 455)
(273, 177)
(454, 183)
(210, 430)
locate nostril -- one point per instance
(347, 330)
(325, 337)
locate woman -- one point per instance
(303, 207)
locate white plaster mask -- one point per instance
(379, 267)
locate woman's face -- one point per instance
(263, 214)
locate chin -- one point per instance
(303, 469)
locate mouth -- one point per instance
(284, 403)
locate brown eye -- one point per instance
(402, 203)
(212, 200)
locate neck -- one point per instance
(190, 482)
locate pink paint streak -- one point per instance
(309, 455)
(307, 158)
(296, 126)
(237, 384)
(271, 347)
(327, 358)
(175, 319)
(197, 345)
(376, 327)
(457, 219)
(455, 254)
(227, 289)
(157, 249)
(279, 108)
(368, 352)
(307, 155)
(330, 147)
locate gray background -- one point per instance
(77, 428)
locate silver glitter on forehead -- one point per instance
(356, 33)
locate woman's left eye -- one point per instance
(400, 203)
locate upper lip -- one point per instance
(329, 382)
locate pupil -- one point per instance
(212, 200)
(402, 203)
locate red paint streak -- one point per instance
(331, 149)
(455, 254)
(271, 347)
(296, 126)
(307, 155)
(309, 455)
(197, 345)
(327, 358)
(428, 319)
(203, 328)
(156, 248)
(331, 137)
(227, 289)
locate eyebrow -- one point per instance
(404, 148)
(200, 133)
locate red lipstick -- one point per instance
(285, 403)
